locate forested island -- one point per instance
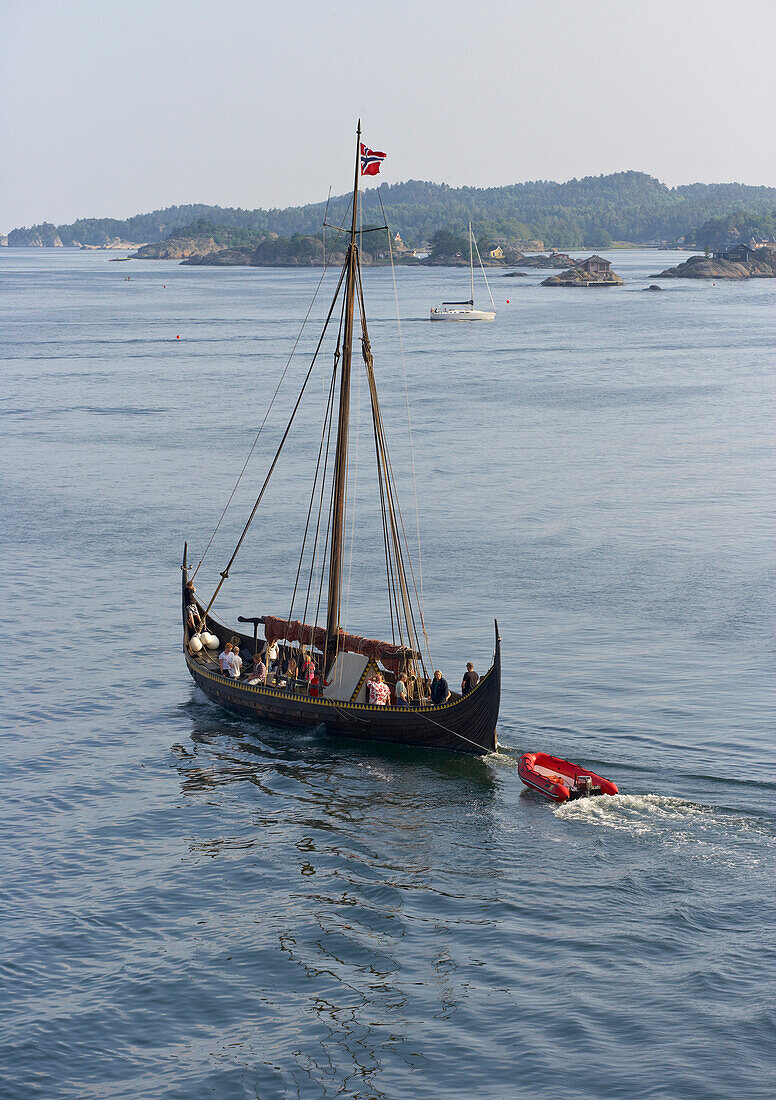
(593, 212)
(203, 244)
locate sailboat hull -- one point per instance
(463, 315)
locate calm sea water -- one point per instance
(196, 906)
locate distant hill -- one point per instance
(624, 206)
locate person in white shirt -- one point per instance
(225, 660)
(271, 654)
(236, 664)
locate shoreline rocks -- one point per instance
(223, 257)
(115, 244)
(707, 267)
(177, 248)
(553, 259)
(37, 236)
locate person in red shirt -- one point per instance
(315, 684)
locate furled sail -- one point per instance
(390, 655)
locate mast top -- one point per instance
(341, 454)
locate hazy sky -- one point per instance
(116, 107)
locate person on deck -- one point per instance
(258, 674)
(225, 660)
(315, 685)
(379, 692)
(192, 611)
(235, 665)
(440, 692)
(401, 691)
(308, 668)
(271, 652)
(417, 692)
(470, 679)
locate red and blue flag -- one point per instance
(370, 161)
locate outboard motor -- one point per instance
(583, 786)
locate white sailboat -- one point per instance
(465, 311)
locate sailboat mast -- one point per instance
(471, 264)
(341, 459)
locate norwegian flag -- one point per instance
(370, 161)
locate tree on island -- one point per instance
(446, 245)
(737, 227)
(597, 238)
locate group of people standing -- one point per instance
(436, 692)
(288, 668)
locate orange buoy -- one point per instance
(177, 337)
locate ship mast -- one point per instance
(471, 264)
(341, 458)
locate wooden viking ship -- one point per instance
(347, 666)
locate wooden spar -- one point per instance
(341, 459)
(471, 264)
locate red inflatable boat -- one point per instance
(559, 779)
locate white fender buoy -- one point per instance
(195, 645)
(210, 641)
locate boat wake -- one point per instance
(634, 813)
(650, 814)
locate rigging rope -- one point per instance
(412, 449)
(264, 421)
(389, 493)
(482, 269)
(328, 425)
(255, 508)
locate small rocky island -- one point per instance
(552, 259)
(594, 271)
(741, 262)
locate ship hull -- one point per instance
(465, 725)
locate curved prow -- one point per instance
(497, 679)
(497, 652)
(184, 578)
